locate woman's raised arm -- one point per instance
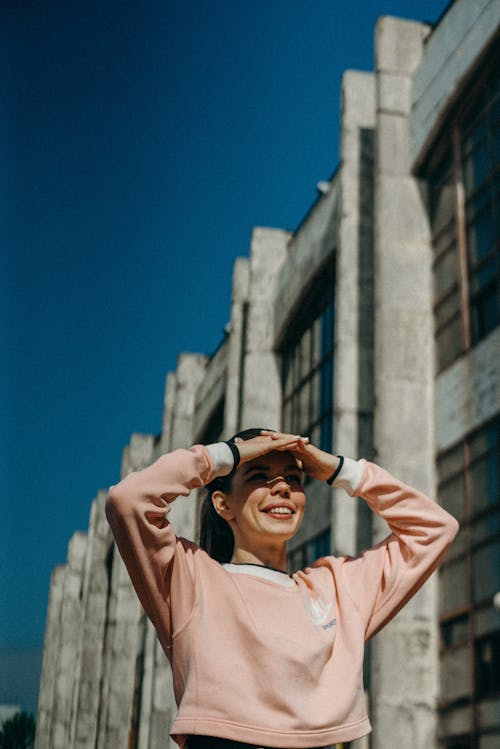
(137, 509)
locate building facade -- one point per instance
(373, 328)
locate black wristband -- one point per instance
(337, 470)
(236, 457)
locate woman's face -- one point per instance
(266, 502)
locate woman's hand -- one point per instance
(267, 442)
(314, 462)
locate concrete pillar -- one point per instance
(122, 629)
(163, 707)
(157, 699)
(261, 397)
(404, 655)
(168, 410)
(189, 374)
(46, 704)
(236, 347)
(88, 673)
(66, 658)
(149, 640)
(353, 396)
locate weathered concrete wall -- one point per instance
(261, 396)
(211, 390)
(189, 376)
(122, 629)
(307, 252)
(168, 411)
(451, 52)
(86, 691)
(157, 703)
(67, 654)
(404, 655)
(236, 347)
(49, 662)
(353, 393)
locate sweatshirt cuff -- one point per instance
(350, 475)
(222, 458)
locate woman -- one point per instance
(259, 658)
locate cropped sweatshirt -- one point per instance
(258, 656)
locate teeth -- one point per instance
(280, 511)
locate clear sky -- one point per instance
(140, 143)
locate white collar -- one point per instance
(257, 570)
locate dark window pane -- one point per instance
(452, 590)
(451, 463)
(442, 195)
(485, 274)
(485, 312)
(449, 307)
(480, 227)
(449, 343)
(455, 674)
(452, 496)
(485, 483)
(326, 428)
(476, 164)
(455, 631)
(320, 546)
(326, 400)
(445, 272)
(486, 571)
(486, 527)
(487, 657)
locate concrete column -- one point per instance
(46, 705)
(404, 655)
(168, 410)
(163, 707)
(353, 397)
(261, 397)
(66, 658)
(189, 374)
(95, 592)
(123, 618)
(236, 347)
(147, 686)
(157, 699)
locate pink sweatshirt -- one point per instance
(258, 656)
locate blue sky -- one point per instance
(140, 143)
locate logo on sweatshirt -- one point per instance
(320, 612)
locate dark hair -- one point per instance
(216, 536)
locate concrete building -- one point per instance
(374, 328)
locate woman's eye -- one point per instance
(293, 478)
(258, 477)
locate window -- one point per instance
(307, 365)
(464, 209)
(314, 548)
(307, 356)
(469, 478)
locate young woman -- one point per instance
(259, 658)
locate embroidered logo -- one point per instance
(320, 612)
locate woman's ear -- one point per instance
(221, 506)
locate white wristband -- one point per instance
(350, 475)
(222, 458)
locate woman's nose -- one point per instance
(280, 486)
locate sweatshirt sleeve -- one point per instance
(383, 578)
(136, 510)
